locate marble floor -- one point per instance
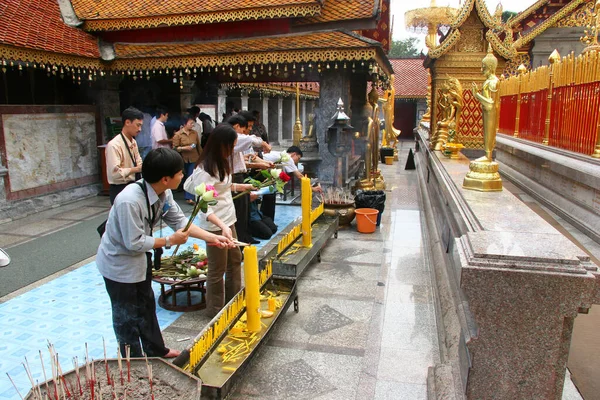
(365, 328)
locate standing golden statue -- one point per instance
(390, 138)
(483, 173)
(451, 103)
(373, 178)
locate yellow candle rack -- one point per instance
(316, 213)
(290, 238)
(203, 345)
(212, 334)
(306, 212)
(266, 273)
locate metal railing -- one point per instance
(557, 105)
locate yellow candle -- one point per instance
(271, 303)
(306, 209)
(252, 289)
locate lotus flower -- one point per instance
(212, 188)
(208, 196)
(275, 173)
(200, 189)
(284, 158)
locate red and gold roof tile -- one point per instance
(116, 15)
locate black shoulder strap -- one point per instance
(129, 151)
(151, 211)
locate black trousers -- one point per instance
(263, 228)
(115, 190)
(267, 207)
(242, 211)
(134, 317)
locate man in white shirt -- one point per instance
(159, 133)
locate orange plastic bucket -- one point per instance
(366, 219)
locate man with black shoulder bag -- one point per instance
(124, 256)
(123, 160)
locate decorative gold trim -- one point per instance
(488, 20)
(548, 23)
(527, 12)
(579, 18)
(276, 89)
(17, 54)
(506, 52)
(203, 18)
(463, 14)
(279, 57)
(446, 45)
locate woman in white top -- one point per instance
(214, 169)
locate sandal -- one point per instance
(190, 202)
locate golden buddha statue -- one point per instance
(483, 172)
(451, 103)
(390, 138)
(373, 178)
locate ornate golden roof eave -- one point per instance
(42, 57)
(227, 60)
(286, 11)
(463, 13)
(287, 90)
(450, 40)
(527, 12)
(506, 52)
(484, 15)
(548, 23)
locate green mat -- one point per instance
(48, 254)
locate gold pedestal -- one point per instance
(441, 136)
(378, 180)
(365, 184)
(395, 154)
(452, 150)
(483, 176)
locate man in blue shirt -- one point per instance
(124, 257)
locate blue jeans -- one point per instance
(188, 169)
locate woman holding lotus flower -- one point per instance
(212, 176)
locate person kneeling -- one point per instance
(260, 226)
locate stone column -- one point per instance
(264, 113)
(358, 93)
(303, 117)
(333, 86)
(109, 103)
(290, 125)
(244, 98)
(185, 95)
(221, 104)
(279, 119)
(273, 120)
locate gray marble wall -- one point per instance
(566, 182)
(565, 40)
(509, 287)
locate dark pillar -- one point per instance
(333, 86)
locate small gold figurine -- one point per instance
(390, 138)
(451, 103)
(483, 173)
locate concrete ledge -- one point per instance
(566, 182)
(508, 287)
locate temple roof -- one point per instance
(336, 45)
(340, 10)
(507, 39)
(105, 15)
(33, 31)
(411, 78)
(119, 14)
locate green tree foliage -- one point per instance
(404, 48)
(507, 14)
